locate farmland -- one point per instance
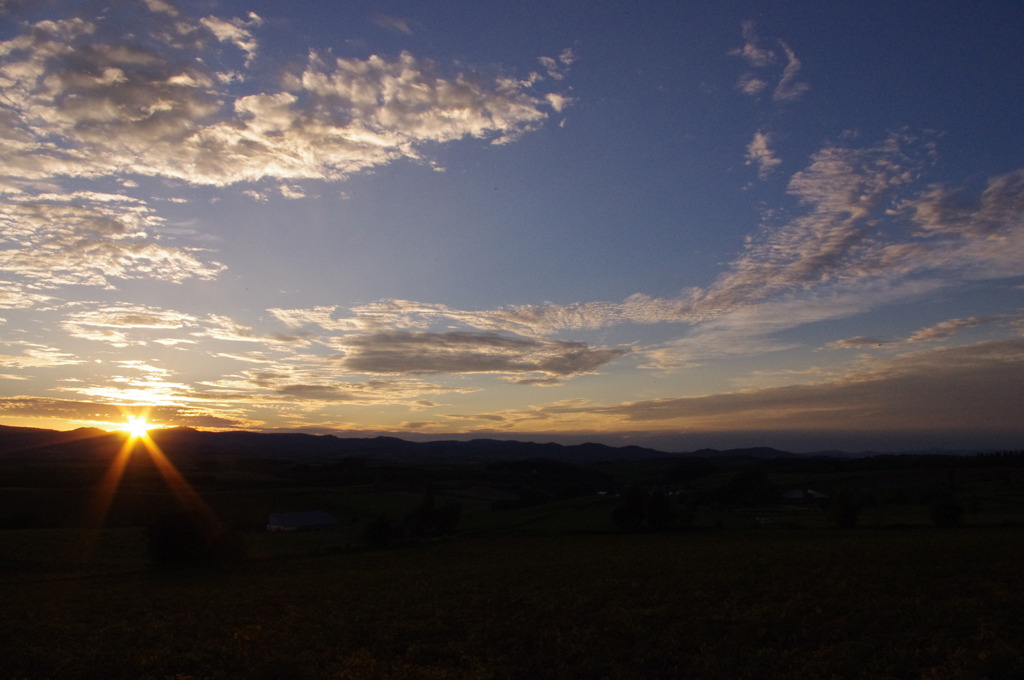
(537, 580)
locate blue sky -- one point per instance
(792, 224)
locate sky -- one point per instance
(680, 225)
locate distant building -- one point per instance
(317, 520)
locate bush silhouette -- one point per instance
(641, 510)
(431, 519)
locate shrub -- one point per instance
(640, 510)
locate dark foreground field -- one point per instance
(917, 602)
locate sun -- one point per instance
(136, 427)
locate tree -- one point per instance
(640, 510)
(433, 519)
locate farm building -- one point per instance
(301, 521)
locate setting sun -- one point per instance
(137, 426)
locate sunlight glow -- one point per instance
(137, 426)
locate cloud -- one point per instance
(749, 330)
(558, 101)
(319, 383)
(93, 239)
(759, 153)
(320, 317)
(38, 356)
(292, 191)
(132, 316)
(858, 342)
(558, 69)
(161, 6)
(125, 324)
(752, 52)
(464, 352)
(944, 210)
(474, 417)
(15, 296)
(861, 235)
(112, 414)
(220, 327)
(949, 328)
(317, 392)
(84, 102)
(367, 393)
(392, 23)
(117, 324)
(975, 388)
(788, 87)
(750, 84)
(235, 31)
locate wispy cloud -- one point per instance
(763, 61)
(90, 239)
(104, 414)
(121, 325)
(113, 324)
(938, 332)
(947, 329)
(863, 237)
(236, 31)
(38, 356)
(760, 154)
(464, 352)
(790, 87)
(973, 388)
(857, 342)
(945, 210)
(392, 23)
(752, 52)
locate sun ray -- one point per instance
(137, 435)
(96, 513)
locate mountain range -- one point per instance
(190, 442)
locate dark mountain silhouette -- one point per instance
(191, 443)
(755, 452)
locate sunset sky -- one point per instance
(794, 224)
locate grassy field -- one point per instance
(539, 581)
(732, 603)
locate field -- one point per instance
(874, 603)
(550, 588)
